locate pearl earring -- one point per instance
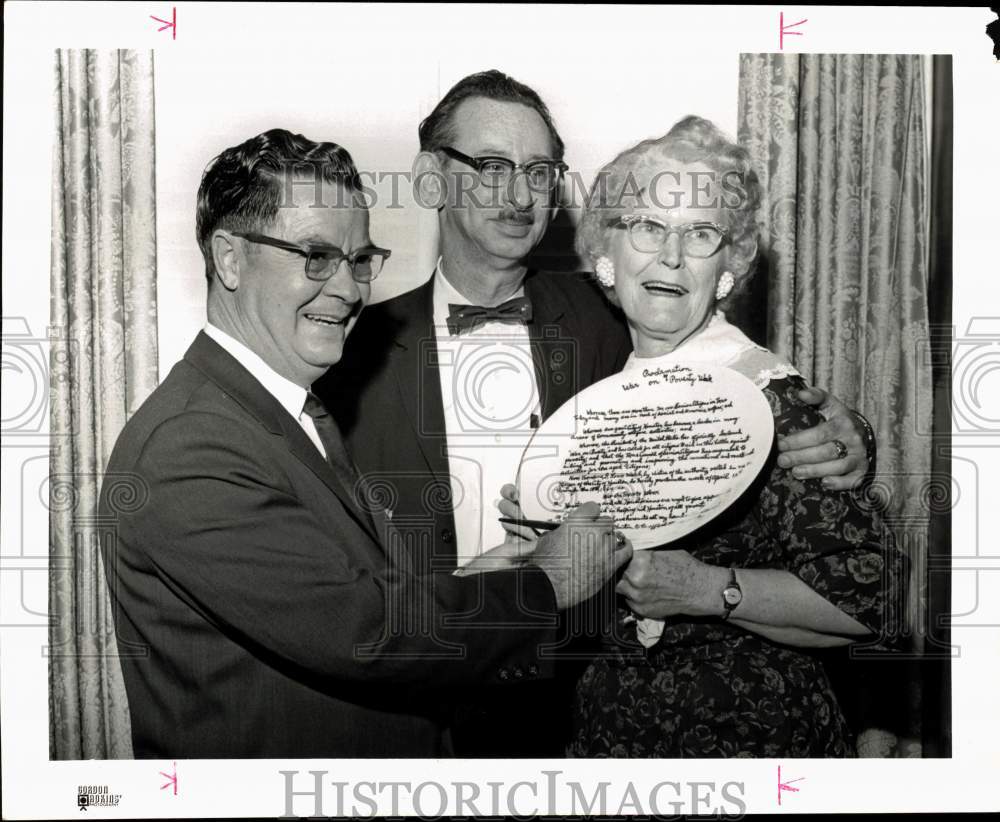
(605, 271)
(725, 285)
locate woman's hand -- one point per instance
(665, 583)
(510, 507)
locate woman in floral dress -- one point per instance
(712, 652)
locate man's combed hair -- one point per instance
(437, 129)
(242, 188)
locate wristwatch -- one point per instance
(732, 595)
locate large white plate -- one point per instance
(663, 450)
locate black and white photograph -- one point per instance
(406, 406)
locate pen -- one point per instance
(548, 526)
(530, 523)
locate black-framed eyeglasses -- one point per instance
(541, 175)
(322, 261)
(649, 235)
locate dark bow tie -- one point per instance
(467, 317)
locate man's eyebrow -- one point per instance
(490, 151)
(316, 239)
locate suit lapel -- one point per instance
(553, 351)
(225, 371)
(415, 365)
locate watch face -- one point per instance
(733, 596)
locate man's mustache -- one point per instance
(512, 215)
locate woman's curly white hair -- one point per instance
(618, 188)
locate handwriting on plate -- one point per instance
(657, 463)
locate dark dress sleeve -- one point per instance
(834, 541)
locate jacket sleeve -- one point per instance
(225, 531)
(834, 541)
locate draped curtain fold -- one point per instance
(103, 280)
(839, 144)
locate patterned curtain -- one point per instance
(104, 308)
(839, 143)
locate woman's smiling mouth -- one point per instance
(663, 288)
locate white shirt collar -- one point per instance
(445, 293)
(719, 343)
(292, 397)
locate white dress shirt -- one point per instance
(490, 393)
(292, 397)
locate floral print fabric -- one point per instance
(710, 688)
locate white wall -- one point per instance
(368, 86)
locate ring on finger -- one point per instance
(841, 449)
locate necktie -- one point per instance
(467, 317)
(329, 435)
(341, 462)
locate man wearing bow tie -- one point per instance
(441, 387)
(263, 607)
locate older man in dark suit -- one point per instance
(463, 368)
(276, 618)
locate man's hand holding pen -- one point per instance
(578, 555)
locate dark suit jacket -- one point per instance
(257, 612)
(386, 395)
(386, 392)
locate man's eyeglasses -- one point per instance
(649, 235)
(541, 175)
(322, 261)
